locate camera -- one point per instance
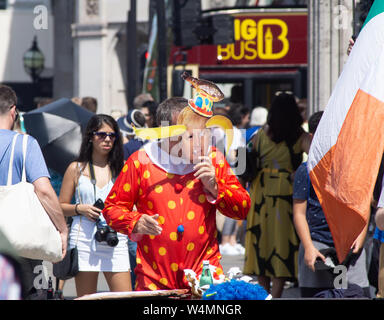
(104, 232)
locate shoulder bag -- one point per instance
(24, 220)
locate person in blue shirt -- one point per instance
(36, 174)
(313, 230)
(258, 119)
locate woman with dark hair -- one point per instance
(271, 242)
(90, 179)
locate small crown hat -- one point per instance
(202, 104)
(207, 94)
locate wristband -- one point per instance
(77, 212)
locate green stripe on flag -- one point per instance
(376, 9)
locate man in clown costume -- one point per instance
(176, 182)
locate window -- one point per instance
(3, 4)
(218, 4)
(271, 3)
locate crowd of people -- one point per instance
(167, 216)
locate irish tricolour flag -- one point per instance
(345, 154)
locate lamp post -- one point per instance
(34, 61)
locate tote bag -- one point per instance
(23, 219)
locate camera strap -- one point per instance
(93, 177)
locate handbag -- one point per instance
(24, 220)
(69, 266)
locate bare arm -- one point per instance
(359, 242)
(379, 218)
(50, 202)
(302, 229)
(67, 191)
(306, 142)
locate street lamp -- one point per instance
(34, 61)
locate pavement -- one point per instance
(227, 263)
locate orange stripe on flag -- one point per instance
(345, 177)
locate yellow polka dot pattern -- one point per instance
(161, 220)
(162, 251)
(202, 198)
(125, 168)
(163, 281)
(190, 215)
(146, 249)
(146, 174)
(173, 236)
(190, 246)
(174, 267)
(152, 287)
(154, 265)
(190, 184)
(171, 204)
(244, 203)
(201, 229)
(158, 189)
(137, 164)
(170, 175)
(150, 205)
(127, 187)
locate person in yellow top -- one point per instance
(271, 242)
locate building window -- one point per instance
(3, 4)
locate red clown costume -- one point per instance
(155, 186)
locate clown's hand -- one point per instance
(205, 171)
(148, 225)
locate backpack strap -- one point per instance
(10, 165)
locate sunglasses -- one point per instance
(103, 135)
(278, 93)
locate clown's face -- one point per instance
(193, 143)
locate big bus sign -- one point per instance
(255, 39)
(261, 39)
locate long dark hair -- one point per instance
(115, 156)
(284, 120)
